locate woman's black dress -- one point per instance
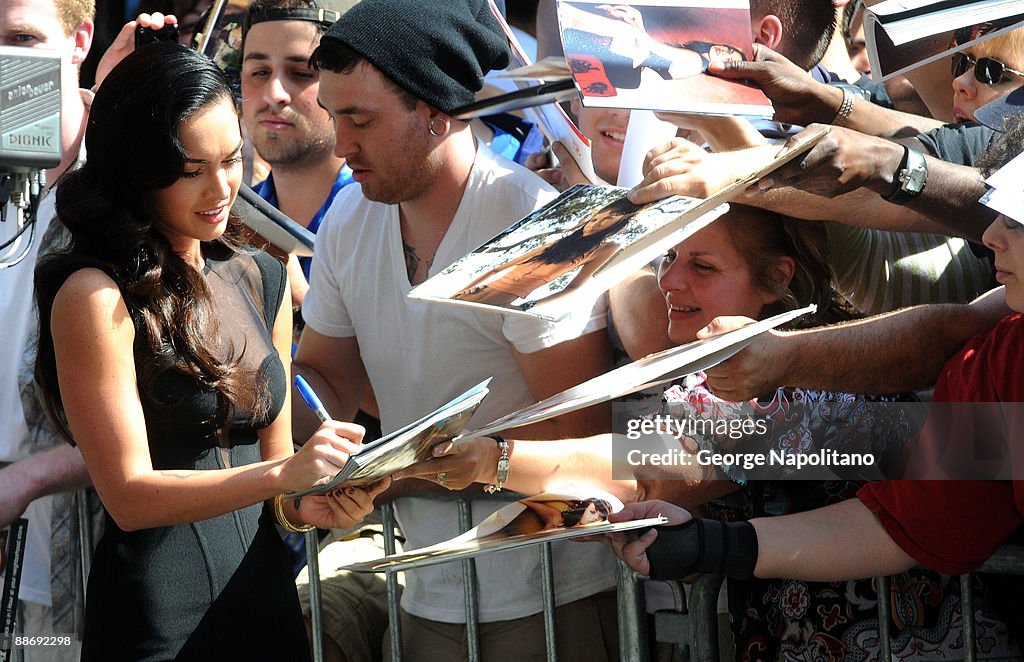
(222, 588)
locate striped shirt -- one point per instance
(879, 271)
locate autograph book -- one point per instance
(654, 55)
(406, 446)
(570, 512)
(904, 34)
(581, 244)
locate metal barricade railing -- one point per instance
(632, 616)
(394, 616)
(469, 589)
(316, 614)
(692, 627)
(85, 550)
(1007, 560)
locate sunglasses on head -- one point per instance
(986, 70)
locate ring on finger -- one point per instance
(441, 478)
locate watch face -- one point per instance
(914, 179)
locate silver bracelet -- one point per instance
(845, 108)
(503, 466)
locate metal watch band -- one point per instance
(503, 467)
(845, 108)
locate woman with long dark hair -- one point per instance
(164, 353)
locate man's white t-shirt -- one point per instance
(18, 305)
(418, 355)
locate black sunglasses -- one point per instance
(986, 69)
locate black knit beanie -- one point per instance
(437, 51)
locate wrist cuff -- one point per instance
(705, 546)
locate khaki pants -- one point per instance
(355, 610)
(587, 631)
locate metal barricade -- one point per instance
(630, 642)
(632, 616)
(85, 550)
(316, 615)
(469, 587)
(692, 626)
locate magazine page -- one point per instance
(1004, 194)
(272, 224)
(567, 512)
(653, 55)
(557, 251)
(904, 34)
(581, 244)
(551, 119)
(641, 374)
(220, 37)
(406, 446)
(553, 67)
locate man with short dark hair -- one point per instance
(800, 30)
(391, 73)
(287, 127)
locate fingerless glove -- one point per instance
(704, 545)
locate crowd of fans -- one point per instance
(153, 336)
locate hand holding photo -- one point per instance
(582, 243)
(641, 374)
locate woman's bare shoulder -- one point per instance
(89, 297)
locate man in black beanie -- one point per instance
(429, 193)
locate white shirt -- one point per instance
(418, 355)
(18, 305)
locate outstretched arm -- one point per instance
(534, 466)
(834, 543)
(845, 171)
(59, 469)
(799, 99)
(899, 351)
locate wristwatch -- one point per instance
(912, 175)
